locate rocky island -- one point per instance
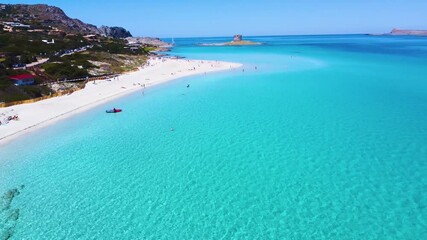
(237, 41)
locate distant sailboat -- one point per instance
(173, 42)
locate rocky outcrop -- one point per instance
(9, 216)
(237, 38)
(115, 32)
(42, 15)
(45, 15)
(148, 41)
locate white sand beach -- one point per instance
(159, 70)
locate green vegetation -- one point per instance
(147, 49)
(9, 92)
(117, 46)
(94, 58)
(59, 49)
(25, 47)
(61, 71)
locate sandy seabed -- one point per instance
(158, 70)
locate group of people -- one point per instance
(8, 119)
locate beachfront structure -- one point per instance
(22, 79)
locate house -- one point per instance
(10, 26)
(18, 66)
(56, 33)
(37, 30)
(7, 28)
(16, 24)
(22, 79)
(91, 37)
(47, 42)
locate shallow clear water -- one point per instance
(327, 139)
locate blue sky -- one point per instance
(192, 18)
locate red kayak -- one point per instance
(114, 110)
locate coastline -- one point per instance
(33, 116)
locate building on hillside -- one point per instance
(91, 37)
(49, 42)
(22, 79)
(57, 33)
(16, 24)
(19, 66)
(7, 28)
(37, 30)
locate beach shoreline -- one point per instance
(33, 116)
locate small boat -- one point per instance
(114, 110)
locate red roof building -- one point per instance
(23, 79)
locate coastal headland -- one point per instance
(157, 70)
(403, 32)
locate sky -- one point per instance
(209, 18)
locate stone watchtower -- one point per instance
(237, 38)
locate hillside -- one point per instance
(69, 57)
(43, 41)
(41, 16)
(114, 32)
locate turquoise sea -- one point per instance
(325, 139)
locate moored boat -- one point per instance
(114, 110)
